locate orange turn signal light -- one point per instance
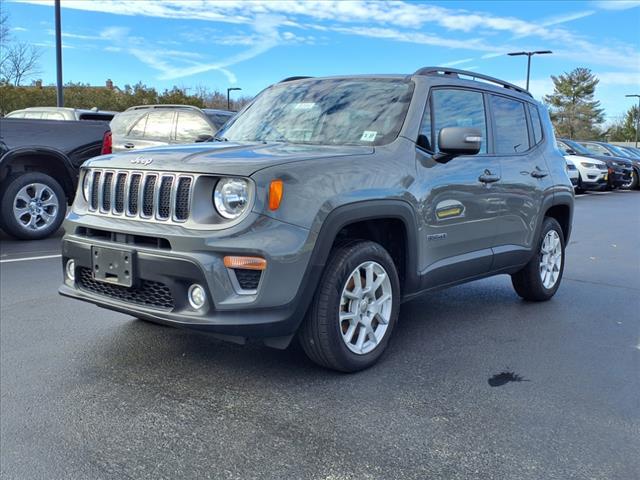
(245, 263)
(275, 194)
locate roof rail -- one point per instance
(162, 105)
(454, 72)
(291, 79)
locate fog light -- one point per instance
(197, 297)
(71, 270)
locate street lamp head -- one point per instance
(513, 54)
(542, 52)
(633, 95)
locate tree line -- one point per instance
(78, 95)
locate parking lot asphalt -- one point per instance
(87, 393)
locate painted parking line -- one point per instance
(26, 259)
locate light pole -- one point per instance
(529, 55)
(228, 100)
(637, 116)
(59, 94)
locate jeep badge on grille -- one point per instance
(140, 160)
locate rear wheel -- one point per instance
(579, 188)
(354, 310)
(32, 206)
(540, 278)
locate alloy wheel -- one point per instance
(35, 206)
(365, 307)
(550, 259)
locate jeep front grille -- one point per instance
(142, 195)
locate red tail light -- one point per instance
(610, 171)
(106, 143)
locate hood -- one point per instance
(607, 159)
(581, 158)
(224, 158)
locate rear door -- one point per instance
(458, 200)
(518, 143)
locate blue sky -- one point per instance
(251, 44)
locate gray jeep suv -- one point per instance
(322, 206)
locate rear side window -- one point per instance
(190, 126)
(159, 126)
(511, 134)
(459, 108)
(137, 131)
(53, 116)
(536, 124)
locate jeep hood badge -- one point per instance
(140, 160)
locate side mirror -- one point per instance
(456, 141)
(570, 151)
(205, 137)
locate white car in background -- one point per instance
(592, 173)
(572, 172)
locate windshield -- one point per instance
(619, 151)
(218, 119)
(325, 112)
(576, 147)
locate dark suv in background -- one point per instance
(154, 125)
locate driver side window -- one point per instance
(459, 108)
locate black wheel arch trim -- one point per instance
(63, 160)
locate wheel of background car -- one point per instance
(633, 183)
(540, 278)
(33, 205)
(579, 188)
(354, 309)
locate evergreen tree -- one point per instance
(574, 112)
(625, 130)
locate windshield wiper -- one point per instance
(220, 139)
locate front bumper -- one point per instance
(273, 311)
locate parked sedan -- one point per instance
(618, 169)
(592, 173)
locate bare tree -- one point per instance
(4, 29)
(19, 61)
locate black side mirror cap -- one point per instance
(456, 141)
(205, 137)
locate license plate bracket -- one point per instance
(113, 265)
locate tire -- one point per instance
(322, 333)
(50, 204)
(633, 184)
(579, 188)
(528, 282)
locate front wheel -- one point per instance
(32, 206)
(540, 278)
(633, 183)
(354, 310)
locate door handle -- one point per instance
(488, 177)
(537, 173)
(129, 145)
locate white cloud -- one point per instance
(616, 4)
(618, 78)
(457, 62)
(399, 21)
(19, 29)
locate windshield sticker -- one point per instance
(368, 136)
(304, 106)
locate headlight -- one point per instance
(85, 185)
(588, 165)
(231, 197)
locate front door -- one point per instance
(459, 206)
